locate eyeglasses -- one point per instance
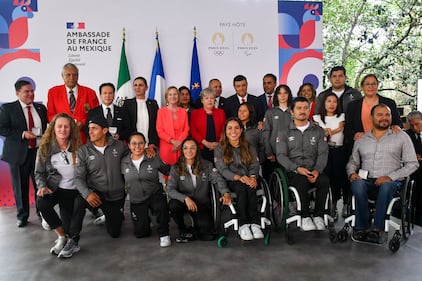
(189, 147)
(137, 143)
(64, 156)
(370, 84)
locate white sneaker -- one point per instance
(245, 232)
(58, 246)
(256, 231)
(100, 220)
(45, 225)
(319, 223)
(165, 241)
(308, 224)
(71, 247)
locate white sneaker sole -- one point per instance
(69, 254)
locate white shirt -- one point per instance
(142, 121)
(137, 162)
(240, 98)
(35, 116)
(217, 102)
(303, 128)
(332, 122)
(65, 169)
(192, 175)
(111, 106)
(75, 92)
(100, 148)
(338, 93)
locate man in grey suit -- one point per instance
(22, 123)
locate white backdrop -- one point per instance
(234, 37)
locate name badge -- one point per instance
(182, 178)
(149, 169)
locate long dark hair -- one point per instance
(181, 166)
(277, 92)
(337, 112)
(252, 123)
(227, 148)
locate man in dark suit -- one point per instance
(233, 102)
(269, 82)
(22, 123)
(214, 84)
(140, 114)
(414, 120)
(112, 113)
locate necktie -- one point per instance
(32, 142)
(270, 101)
(109, 117)
(72, 101)
(243, 100)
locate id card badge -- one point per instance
(363, 174)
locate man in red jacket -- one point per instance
(71, 98)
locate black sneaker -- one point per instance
(375, 237)
(359, 235)
(184, 237)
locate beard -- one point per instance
(382, 125)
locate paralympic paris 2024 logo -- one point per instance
(14, 19)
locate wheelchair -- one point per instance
(225, 217)
(399, 216)
(286, 207)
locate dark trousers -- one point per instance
(246, 203)
(140, 218)
(72, 211)
(336, 171)
(417, 195)
(268, 168)
(20, 182)
(113, 212)
(202, 219)
(302, 185)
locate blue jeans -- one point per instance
(385, 193)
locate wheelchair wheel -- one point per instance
(222, 242)
(394, 244)
(280, 198)
(215, 206)
(343, 234)
(407, 210)
(267, 194)
(332, 234)
(267, 238)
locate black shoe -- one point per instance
(21, 223)
(375, 237)
(184, 237)
(359, 235)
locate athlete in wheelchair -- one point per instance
(237, 162)
(303, 152)
(189, 191)
(379, 163)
